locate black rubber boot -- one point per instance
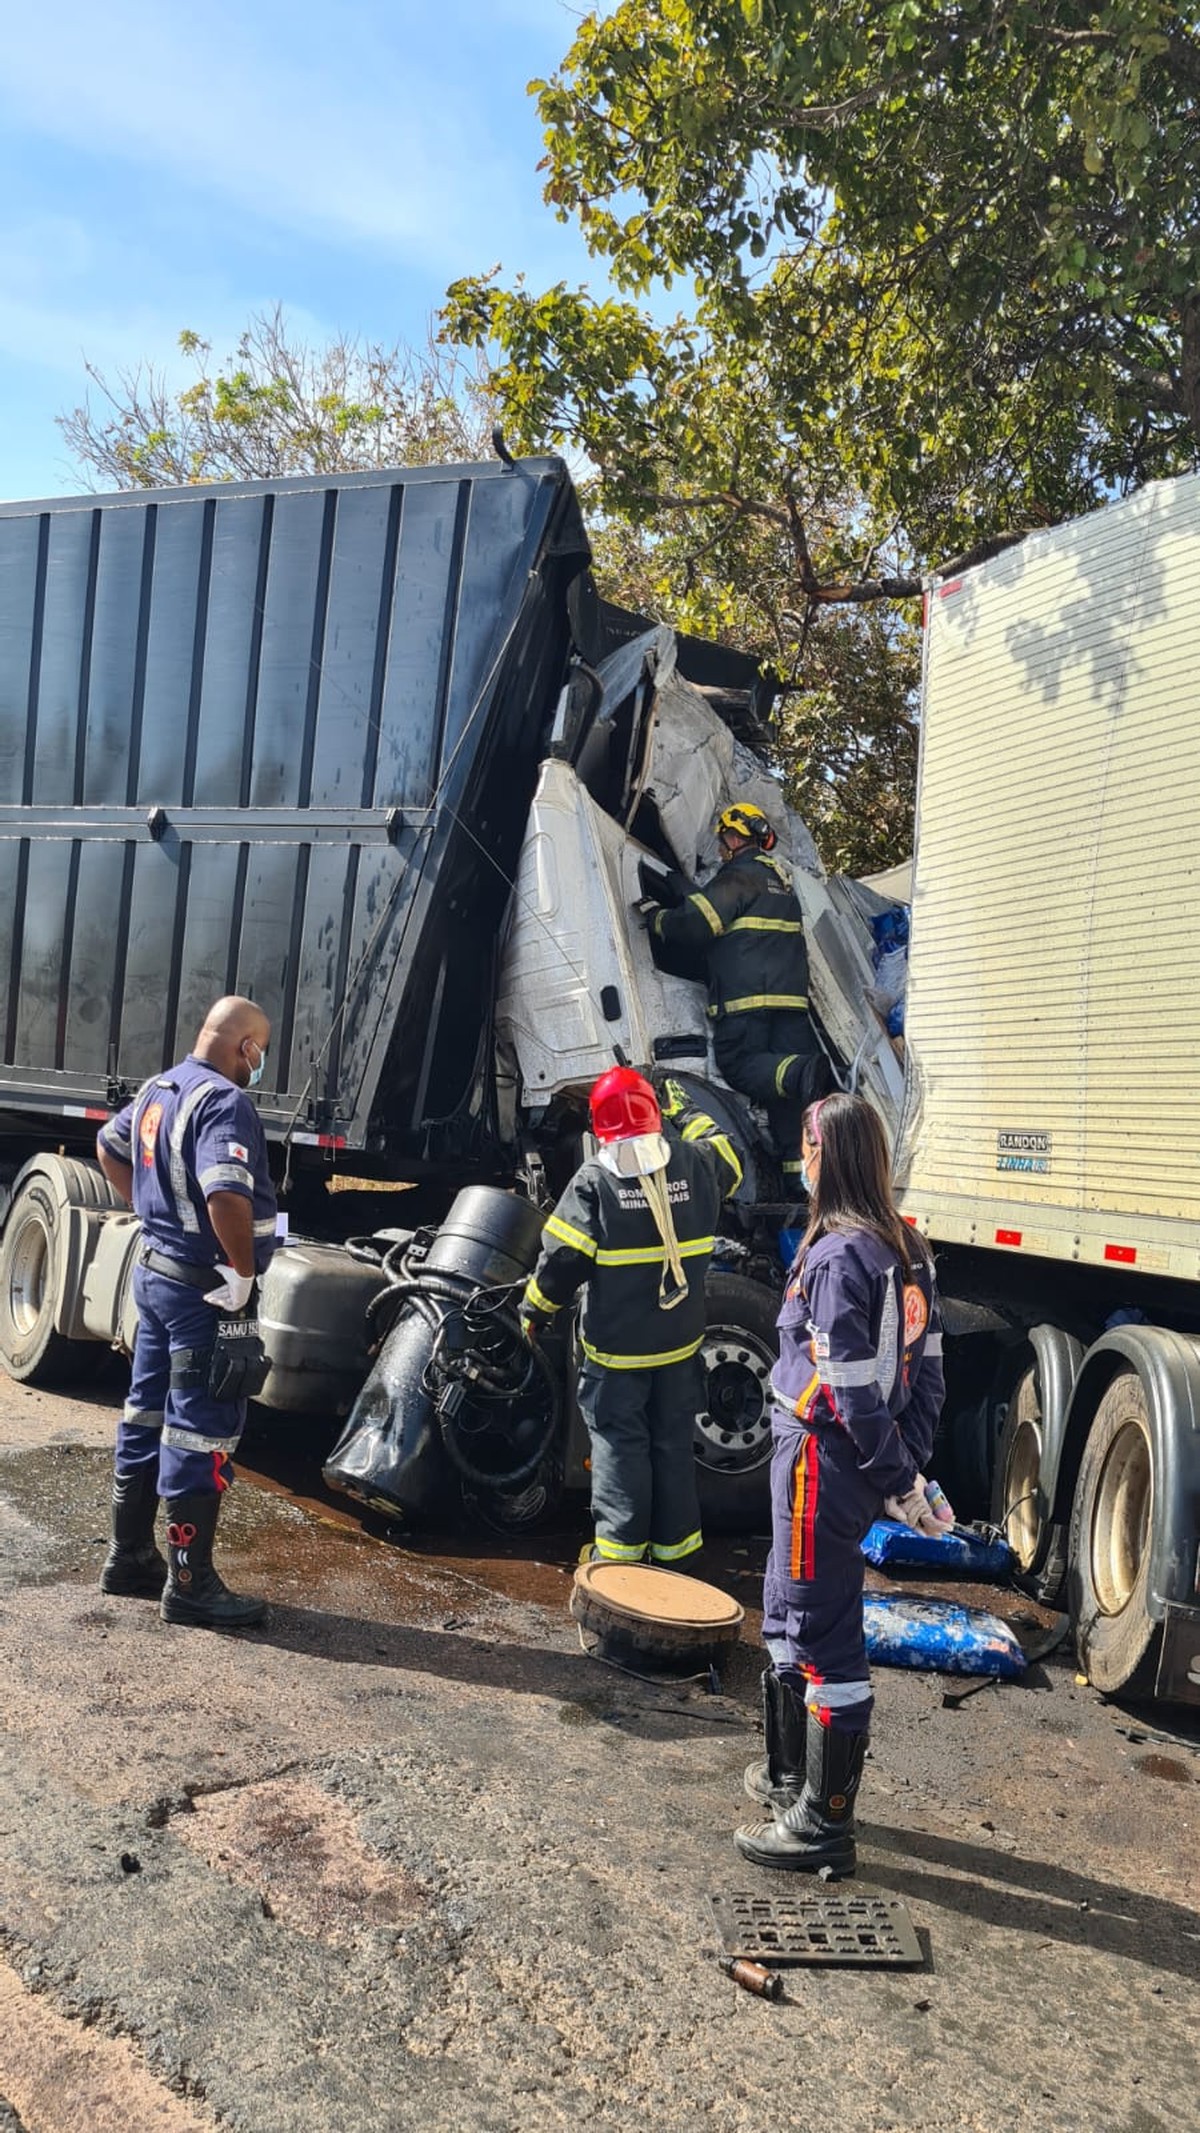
(779, 1780)
(818, 1829)
(196, 1594)
(133, 1567)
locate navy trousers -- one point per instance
(821, 1508)
(642, 1425)
(189, 1437)
(774, 1058)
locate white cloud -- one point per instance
(338, 124)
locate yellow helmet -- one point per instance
(743, 819)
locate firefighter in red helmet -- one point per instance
(636, 1227)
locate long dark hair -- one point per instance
(853, 1188)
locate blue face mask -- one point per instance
(807, 1179)
(256, 1073)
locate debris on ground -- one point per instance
(967, 1550)
(940, 1634)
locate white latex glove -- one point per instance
(234, 1292)
(914, 1510)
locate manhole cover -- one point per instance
(817, 1927)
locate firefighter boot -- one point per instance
(133, 1566)
(196, 1594)
(818, 1829)
(779, 1780)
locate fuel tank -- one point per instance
(455, 1403)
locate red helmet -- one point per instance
(622, 1104)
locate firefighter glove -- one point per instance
(533, 1325)
(673, 1099)
(669, 890)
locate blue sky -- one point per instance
(163, 167)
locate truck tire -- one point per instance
(1116, 1637)
(1019, 1504)
(31, 1351)
(733, 1433)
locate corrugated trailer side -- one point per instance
(273, 738)
(1050, 1140)
(1053, 1015)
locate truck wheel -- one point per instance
(1019, 1505)
(733, 1434)
(31, 1351)
(1116, 1637)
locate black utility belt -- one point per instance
(204, 1278)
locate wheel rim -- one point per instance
(28, 1275)
(733, 1435)
(1022, 1476)
(1121, 1519)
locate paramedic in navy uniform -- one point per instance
(857, 1392)
(190, 1157)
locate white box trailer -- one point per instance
(1050, 1135)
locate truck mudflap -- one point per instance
(1178, 1677)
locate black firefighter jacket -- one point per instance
(744, 933)
(603, 1233)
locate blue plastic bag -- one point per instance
(889, 958)
(888, 1541)
(941, 1635)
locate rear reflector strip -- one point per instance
(1124, 1254)
(1008, 1236)
(319, 1140)
(82, 1111)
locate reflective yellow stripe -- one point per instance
(782, 1070)
(657, 924)
(765, 860)
(538, 1297)
(681, 1548)
(640, 1362)
(724, 1146)
(654, 1254)
(765, 925)
(617, 1551)
(798, 1164)
(556, 1227)
(706, 912)
(705, 1129)
(761, 999)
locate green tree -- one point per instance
(277, 406)
(944, 272)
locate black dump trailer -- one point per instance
(279, 739)
(283, 739)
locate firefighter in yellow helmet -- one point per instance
(743, 935)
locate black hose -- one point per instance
(424, 1291)
(483, 1477)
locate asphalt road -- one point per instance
(408, 1858)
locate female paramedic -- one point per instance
(857, 1392)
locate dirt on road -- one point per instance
(406, 1857)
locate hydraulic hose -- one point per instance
(483, 1477)
(425, 1292)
